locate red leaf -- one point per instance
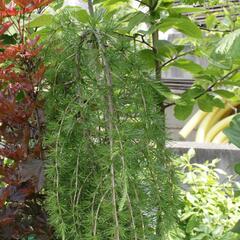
(37, 4)
(8, 10)
(6, 220)
(5, 27)
(4, 193)
(33, 42)
(38, 76)
(2, 4)
(12, 51)
(23, 3)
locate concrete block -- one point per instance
(228, 153)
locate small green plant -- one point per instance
(210, 206)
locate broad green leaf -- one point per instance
(201, 236)
(237, 168)
(211, 21)
(205, 103)
(111, 5)
(186, 215)
(233, 81)
(43, 32)
(185, 9)
(113, 2)
(233, 131)
(78, 13)
(148, 2)
(136, 19)
(163, 90)
(230, 44)
(147, 57)
(165, 49)
(236, 228)
(221, 61)
(217, 102)
(230, 235)
(42, 21)
(224, 93)
(193, 92)
(187, 65)
(183, 111)
(182, 24)
(192, 223)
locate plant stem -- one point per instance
(109, 119)
(155, 38)
(176, 57)
(135, 38)
(210, 88)
(110, 113)
(90, 7)
(110, 125)
(158, 69)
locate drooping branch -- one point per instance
(110, 128)
(109, 119)
(90, 7)
(215, 30)
(210, 88)
(176, 57)
(135, 38)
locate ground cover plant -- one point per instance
(211, 202)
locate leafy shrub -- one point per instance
(210, 206)
(21, 124)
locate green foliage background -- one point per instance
(211, 202)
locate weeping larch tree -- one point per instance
(109, 174)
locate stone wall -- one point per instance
(228, 153)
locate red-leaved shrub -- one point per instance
(21, 125)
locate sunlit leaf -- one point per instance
(183, 111)
(42, 20)
(230, 44)
(182, 24)
(233, 131)
(187, 65)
